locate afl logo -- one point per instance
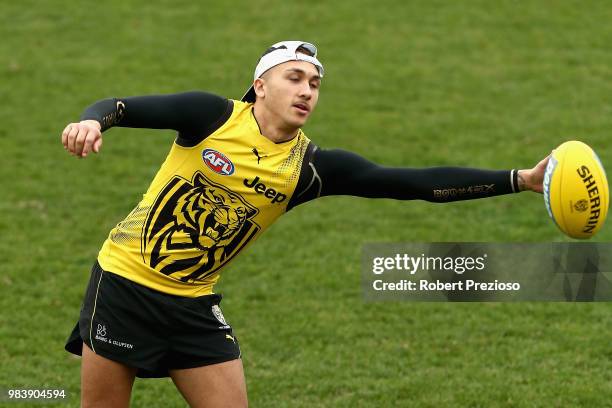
(217, 162)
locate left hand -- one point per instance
(531, 179)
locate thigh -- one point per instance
(214, 385)
(104, 382)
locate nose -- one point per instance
(305, 91)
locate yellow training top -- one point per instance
(204, 206)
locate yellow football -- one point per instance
(576, 190)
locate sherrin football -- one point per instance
(576, 190)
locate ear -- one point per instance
(199, 180)
(251, 212)
(258, 86)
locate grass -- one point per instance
(419, 83)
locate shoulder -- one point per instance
(208, 99)
(332, 160)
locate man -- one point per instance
(235, 167)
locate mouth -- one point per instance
(212, 229)
(302, 108)
(212, 233)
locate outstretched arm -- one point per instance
(346, 173)
(194, 115)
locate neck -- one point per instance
(270, 128)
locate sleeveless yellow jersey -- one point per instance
(205, 205)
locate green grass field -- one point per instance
(419, 83)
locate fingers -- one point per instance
(90, 138)
(97, 145)
(81, 138)
(65, 136)
(71, 129)
(79, 141)
(72, 135)
(543, 163)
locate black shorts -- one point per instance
(149, 330)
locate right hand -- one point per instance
(82, 137)
(532, 179)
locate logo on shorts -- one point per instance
(101, 336)
(101, 330)
(216, 310)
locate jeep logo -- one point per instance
(260, 188)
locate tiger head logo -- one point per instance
(195, 227)
(209, 215)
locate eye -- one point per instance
(294, 79)
(314, 85)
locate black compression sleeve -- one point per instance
(345, 173)
(193, 114)
(106, 111)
